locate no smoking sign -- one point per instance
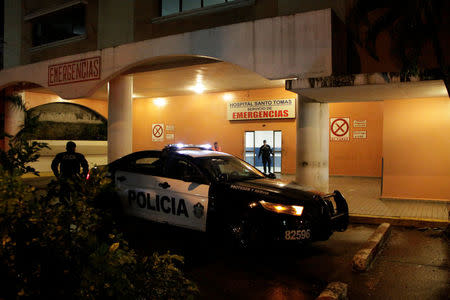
(339, 129)
(157, 132)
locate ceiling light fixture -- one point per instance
(228, 97)
(198, 88)
(159, 102)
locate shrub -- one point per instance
(62, 246)
(70, 249)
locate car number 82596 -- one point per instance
(302, 234)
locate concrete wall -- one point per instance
(416, 148)
(298, 45)
(115, 22)
(147, 27)
(411, 135)
(33, 99)
(12, 33)
(200, 119)
(93, 151)
(287, 7)
(358, 157)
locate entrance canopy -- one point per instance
(276, 48)
(366, 87)
(183, 75)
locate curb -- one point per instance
(398, 221)
(334, 291)
(364, 257)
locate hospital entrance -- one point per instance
(254, 140)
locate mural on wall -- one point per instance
(68, 121)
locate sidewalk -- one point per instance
(363, 193)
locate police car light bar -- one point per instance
(188, 146)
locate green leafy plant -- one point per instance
(62, 245)
(21, 151)
(55, 247)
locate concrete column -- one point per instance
(14, 118)
(120, 122)
(312, 143)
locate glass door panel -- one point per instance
(254, 140)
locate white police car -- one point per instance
(203, 190)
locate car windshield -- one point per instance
(228, 168)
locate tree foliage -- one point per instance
(21, 151)
(412, 25)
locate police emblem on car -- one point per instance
(195, 188)
(198, 210)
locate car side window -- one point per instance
(149, 164)
(183, 170)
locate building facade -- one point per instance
(236, 72)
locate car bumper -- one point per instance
(313, 226)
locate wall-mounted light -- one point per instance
(227, 97)
(159, 102)
(198, 88)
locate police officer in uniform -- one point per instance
(265, 152)
(69, 163)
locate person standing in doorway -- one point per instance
(68, 164)
(216, 147)
(265, 152)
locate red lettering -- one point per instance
(51, 75)
(84, 67)
(59, 74)
(266, 114)
(73, 71)
(91, 69)
(64, 73)
(96, 68)
(69, 72)
(271, 113)
(240, 115)
(285, 113)
(78, 71)
(280, 113)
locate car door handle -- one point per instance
(164, 185)
(121, 178)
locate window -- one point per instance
(170, 7)
(59, 25)
(182, 170)
(149, 164)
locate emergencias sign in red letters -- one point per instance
(74, 71)
(261, 109)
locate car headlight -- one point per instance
(294, 210)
